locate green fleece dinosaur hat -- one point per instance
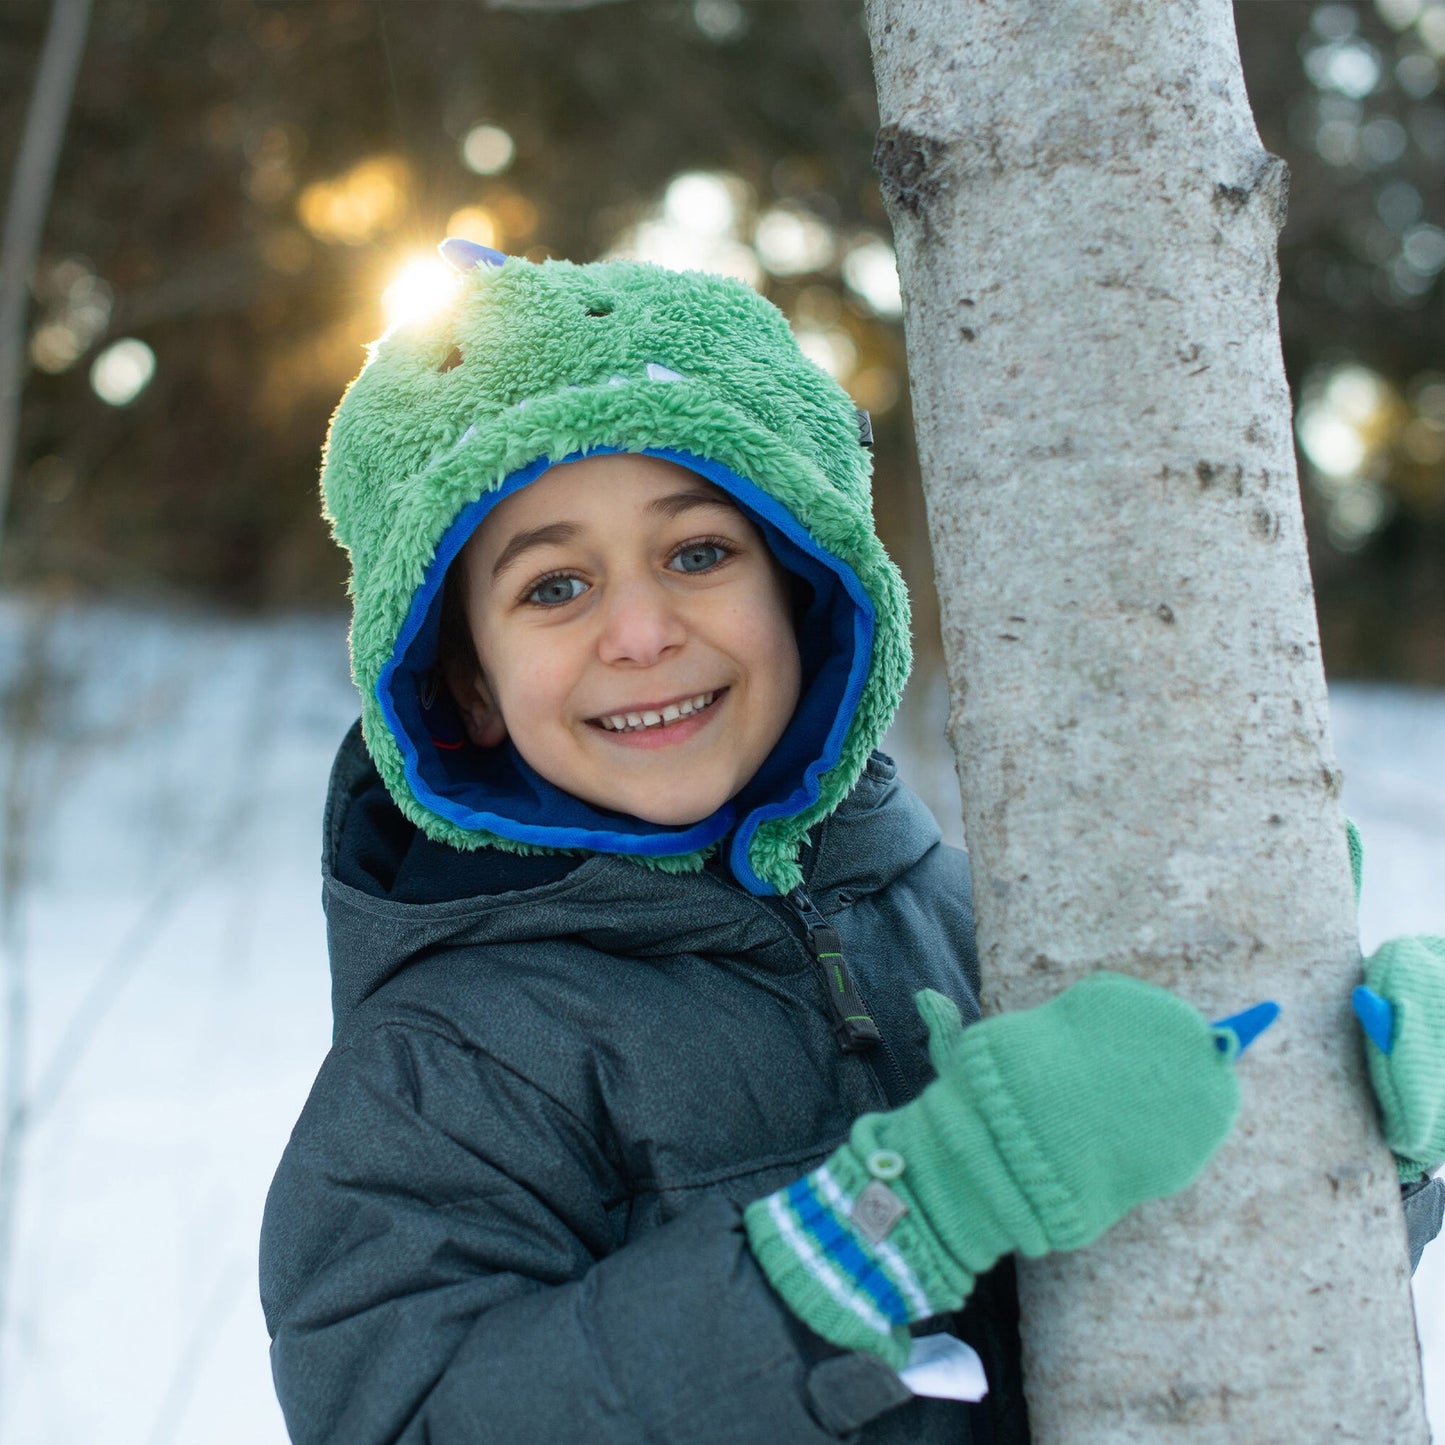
(532, 365)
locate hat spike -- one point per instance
(462, 255)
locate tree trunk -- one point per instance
(35, 163)
(1086, 224)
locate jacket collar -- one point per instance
(619, 906)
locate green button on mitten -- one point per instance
(1044, 1127)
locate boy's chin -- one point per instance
(677, 808)
(663, 813)
(676, 816)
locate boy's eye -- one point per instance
(553, 591)
(698, 557)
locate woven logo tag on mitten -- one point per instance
(877, 1210)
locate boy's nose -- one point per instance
(640, 623)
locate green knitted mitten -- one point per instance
(1409, 1074)
(1402, 1007)
(1044, 1127)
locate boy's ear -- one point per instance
(480, 715)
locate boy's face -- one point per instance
(616, 589)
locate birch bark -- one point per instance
(1085, 223)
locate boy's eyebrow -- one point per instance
(674, 504)
(546, 536)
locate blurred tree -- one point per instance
(34, 173)
(243, 178)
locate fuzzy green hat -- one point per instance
(535, 364)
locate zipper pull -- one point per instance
(852, 1024)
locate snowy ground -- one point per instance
(166, 822)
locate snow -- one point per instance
(174, 956)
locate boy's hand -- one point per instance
(1044, 1127)
(1401, 1006)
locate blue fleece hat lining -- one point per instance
(494, 789)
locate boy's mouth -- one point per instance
(659, 717)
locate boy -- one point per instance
(643, 960)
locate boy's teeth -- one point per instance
(628, 722)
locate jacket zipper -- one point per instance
(853, 1025)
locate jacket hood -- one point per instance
(875, 835)
(537, 364)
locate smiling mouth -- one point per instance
(632, 722)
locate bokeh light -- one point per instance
(719, 20)
(1383, 140)
(1337, 131)
(695, 228)
(870, 270)
(1399, 204)
(1332, 444)
(1348, 421)
(273, 151)
(683, 250)
(875, 389)
(1417, 75)
(1423, 249)
(352, 208)
(473, 223)
(1431, 28)
(1423, 438)
(831, 347)
(487, 150)
(55, 346)
(75, 310)
(1334, 20)
(704, 202)
(1399, 14)
(791, 241)
(1350, 67)
(122, 371)
(514, 217)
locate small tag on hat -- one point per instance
(876, 1211)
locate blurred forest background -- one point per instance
(246, 192)
(249, 188)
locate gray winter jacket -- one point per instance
(510, 1211)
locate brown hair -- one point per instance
(455, 648)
